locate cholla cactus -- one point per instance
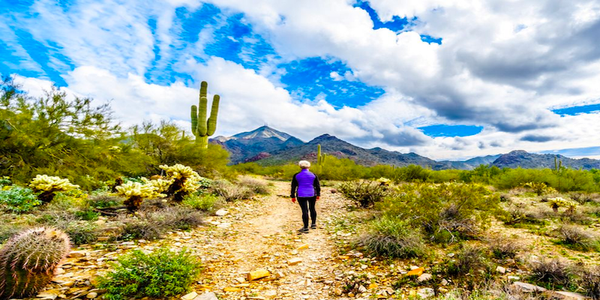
(557, 202)
(28, 261)
(136, 192)
(384, 181)
(539, 188)
(49, 185)
(184, 181)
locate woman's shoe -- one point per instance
(313, 226)
(303, 230)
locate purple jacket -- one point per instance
(305, 184)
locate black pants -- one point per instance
(307, 203)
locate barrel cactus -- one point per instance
(201, 127)
(29, 259)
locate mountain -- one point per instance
(267, 146)
(246, 146)
(526, 160)
(331, 145)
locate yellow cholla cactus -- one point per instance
(557, 202)
(384, 181)
(184, 180)
(160, 185)
(51, 184)
(179, 171)
(131, 189)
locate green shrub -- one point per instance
(590, 282)
(552, 273)
(80, 232)
(365, 193)
(577, 238)
(104, 201)
(468, 260)
(256, 185)
(18, 199)
(160, 274)
(231, 192)
(503, 248)
(446, 212)
(394, 238)
(204, 202)
(152, 224)
(87, 215)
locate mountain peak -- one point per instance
(263, 132)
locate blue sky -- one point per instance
(410, 76)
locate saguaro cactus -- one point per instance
(28, 261)
(201, 127)
(320, 158)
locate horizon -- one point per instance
(444, 79)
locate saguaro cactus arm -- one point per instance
(201, 127)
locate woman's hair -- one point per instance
(304, 164)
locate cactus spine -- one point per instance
(201, 127)
(28, 261)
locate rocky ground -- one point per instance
(251, 250)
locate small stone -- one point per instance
(337, 291)
(92, 295)
(415, 272)
(444, 282)
(528, 287)
(221, 212)
(562, 295)
(426, 292)
(224, 225)
(424, 277)
(500, 270)
(76, 254)
(207, 296)
(513, 278)
(190, 296)
(294, 252)
(294, 261)
(372, 286)
(232, 289)
(257, 274)
(302, 247)
(362, 289)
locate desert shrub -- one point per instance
(7, 230)
(139, 229)
(160, 274)
(394, 238)
(151, 224)
(589, 281)
(552, 273)
(364, 193)
(446, 212)
(256, 185)
(204, 202)
(104, 201)
(503, 248)
(577, 238)
(176, 217)
(88, 214)
(230, 192)
(18, 199)
(468, 260)
(80, 232)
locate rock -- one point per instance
(271, 293)
(500, 270)
(224, 225)
(221, 212)
(49, 295)
(444, 282)
(232, 289)
(426, 292)
(561, 295)
(362, 289)
(513, 278)
(372, 286)
(92, 295)
(415, 272)
(260, 273)
(294, 261)
(302, 247)
(190, 296)
(207, 296)
(76, 254)
(424, 277)
(527, 287)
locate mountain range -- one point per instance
(267, 146)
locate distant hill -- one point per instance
(267, 146)
(246, 146)
(526, 160)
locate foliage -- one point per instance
(204, 202)
(160, 274)
(557, 202)
(577, 238)
(394, 238)
(552, 273)
(503, 248)
(230, 192)
(28, 261)
(446, 212)
(256, 185)
(468, 260)
(365, 193)
(589, 281)
(150, 224)
(539, 188)
(182, 181)
(18, 199)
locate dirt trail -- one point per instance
(263, 234)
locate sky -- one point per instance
(447, 79)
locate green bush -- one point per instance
(18, 199)
(577, 238)
(394, 238)
(503, 248)
(231, 192)
(204, 202)
(446, 212)
(468, 260)
(256, 185)
(80, 232)
(160, 274)
(364, 193)
(552, 274)
(590, 282)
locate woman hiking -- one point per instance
(306, 188)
